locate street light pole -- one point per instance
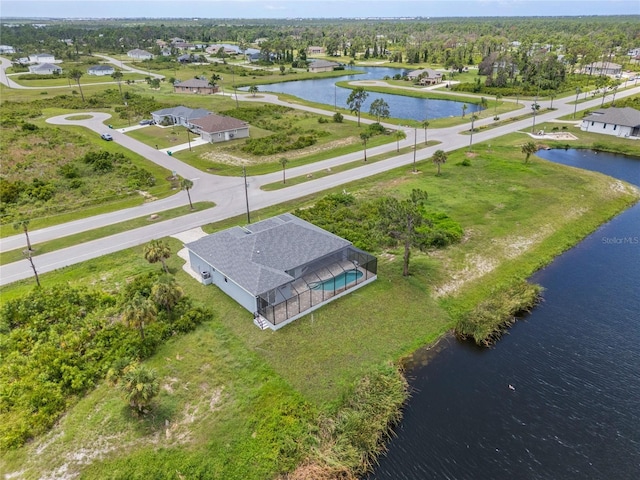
(246, 192)
(415, 137)
(188, 138)
(473, 119)
(575, 106)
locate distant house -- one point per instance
(165, 52)
(138, 54)
(195, 85)
(603, 68)
(42, 58)
(314, 50)
(281, 268)
(7, 49)
(101, 70)
(217, 128)
(178, 115)
(425, 76)
(620, 122)
(186, 58)
(318, 66)
(45, 69)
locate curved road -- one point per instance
(228, 192)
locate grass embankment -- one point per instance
(245, 403)
(64, 242)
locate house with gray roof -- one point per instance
(138, 54)
(101, 70)
(45, 69)
(425, 76)
(219, 128)
(178, 115)
(318, 66)
(195, 85)
(603, 68)
(281, 268)
(621, 122)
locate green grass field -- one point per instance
(237, 402)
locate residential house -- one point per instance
(281, 268)
(7, 49)
(45, 69)
(195, 85)
(318, 66)
(603, 68)
(218, 128)
(620, 122)
(178, 115)
(186, 58)
(42, 58)
(425, 76)
(101, 70)
(314, 50)
(138, 54)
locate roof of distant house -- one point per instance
(626, 117)
(184, 112)
(323, 64)
(104, 68)
(257, 257)
(46, 66)
(604, 65)
(218, 123)
(429, 73)
(137, 51)
(194, 83)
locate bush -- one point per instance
(338, 117)
(322, 120)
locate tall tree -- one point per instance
(364, 136)
(400, 135)
(404, 222)
(166, 292)
(356, 100)
(157, 251)
(23, 225)
(379, 109)
(283, 161)
(439, 157)
(215, 78)
(425, 124)
(117, 76)
(187, 185)
(528, 149)
(253, 89)
(138, 312)
(76, 74)
(464, 109)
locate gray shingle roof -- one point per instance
(217, 123)
(323, 64)
(194, 83)
(183, 112)
(103, 68)
(626, 117)
(257, 257)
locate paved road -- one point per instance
(228, 192)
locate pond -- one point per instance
(559, 396)
(325, 90)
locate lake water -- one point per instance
(573, 363)
(324, 90)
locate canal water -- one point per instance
(324, 90)
(556, 398)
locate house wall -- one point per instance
(605, 129)
(100, 73)
(320, 69)
(44, 71)
(218, 137)
(205, 90)
(244, 298)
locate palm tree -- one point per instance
(439, 157)
(495, 108)
(140, 311)
(157, 251)
(253, 89)
(139, 385)
(213, 81)
(528, 149)
(425, 124)
(166, 292)
(474, 117)
(117, 76)
(76, 75)
(464, 109)
(364, 136)
(187, 184)
(283, 161)
(400, 135)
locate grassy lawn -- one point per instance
(62, 80)
(227, 375)
(60, 243)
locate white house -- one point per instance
(138, 54)
(101, 70)
(178, 115)
(218, 128)
(45, 69)
(620, 122)
(42, 58)
(318, 66)
(603, 68)
(281, 268)
(425, 76)
(7, 49)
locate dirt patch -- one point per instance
(476, 266)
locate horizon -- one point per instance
(310, 9)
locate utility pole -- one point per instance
(188, 138)
(415, 137)
(246, 192)
(575, 106)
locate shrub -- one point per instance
(338, 117)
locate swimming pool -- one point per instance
(339, 281)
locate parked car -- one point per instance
(106, 136)
(146, 122)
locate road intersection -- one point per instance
(228, 193)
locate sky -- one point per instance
(311, 8)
